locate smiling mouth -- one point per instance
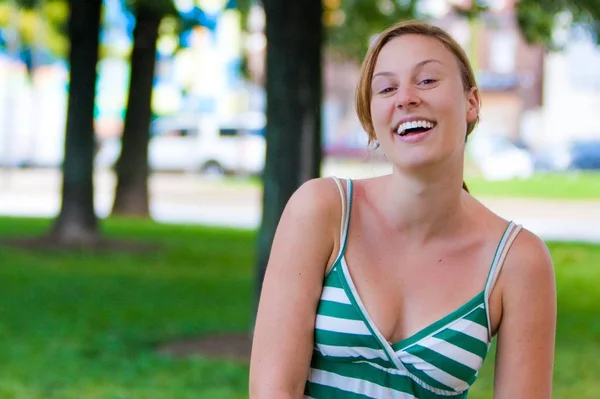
(414, 127)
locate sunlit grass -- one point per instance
(85, 325)
(565, 186)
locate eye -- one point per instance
(427, 82)
(386, 90)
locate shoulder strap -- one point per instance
(343, 199)
(511, 232)
(346, 198)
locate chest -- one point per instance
(405, 288)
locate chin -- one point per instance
(418, 161)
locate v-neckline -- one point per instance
(420, 334)
(352, 292)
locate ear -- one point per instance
(473, 105)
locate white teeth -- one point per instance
(414, 124)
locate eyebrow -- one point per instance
(417, 66)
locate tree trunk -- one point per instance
(77, 222)
(293, 83)
(131, 196)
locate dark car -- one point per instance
(585, 154)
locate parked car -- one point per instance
(585, 154)
(194, 144)
(499, 158)
(577, 155)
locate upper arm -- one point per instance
(526, 337)
(283, 335)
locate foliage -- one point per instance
(83, 325)
(538, 19)
(38, 23)
(352, 23)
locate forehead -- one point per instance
(406, 51)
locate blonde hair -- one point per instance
(363, 90)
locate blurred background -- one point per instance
(134, 231)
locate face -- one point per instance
(419, 107)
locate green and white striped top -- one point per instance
(352, 359)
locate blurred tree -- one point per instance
(77, 222)
(294, 33)
(352, 23)
(131, 195)
(34, 27)
(538, 19)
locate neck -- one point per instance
(425, 206)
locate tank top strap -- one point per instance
(511, 232)
(346, 198)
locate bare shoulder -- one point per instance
(529, 259)
(311, 218)
(316, 198)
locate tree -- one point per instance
(293, 82)
(352, 23)
(77, 222)
(131, 195)
(537, 19)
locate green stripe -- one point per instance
(338, 310)
(444, 321)
(427, 379)
(333, 279)
(341, 339)
(450, 366)
(364, 371)
(463, 341)
(478, 316)
(318, 391)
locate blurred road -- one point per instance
(187, 198)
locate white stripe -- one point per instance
(335, 324)
(443, 392)
(355, 385)
(470, 328)
(335, 295)
(434, 372)
(453, 352)
(351, 351)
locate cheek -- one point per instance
(380, 112)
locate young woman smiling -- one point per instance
(394, 286)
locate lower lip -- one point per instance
(415, 137)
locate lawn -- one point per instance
(85, 325)
(583, 186)
(558, 186)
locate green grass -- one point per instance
(84, 325)
(553, 186)
(567, 186)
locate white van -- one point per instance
(199, 144)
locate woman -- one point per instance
(395, 288)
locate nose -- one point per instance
(407, 97)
